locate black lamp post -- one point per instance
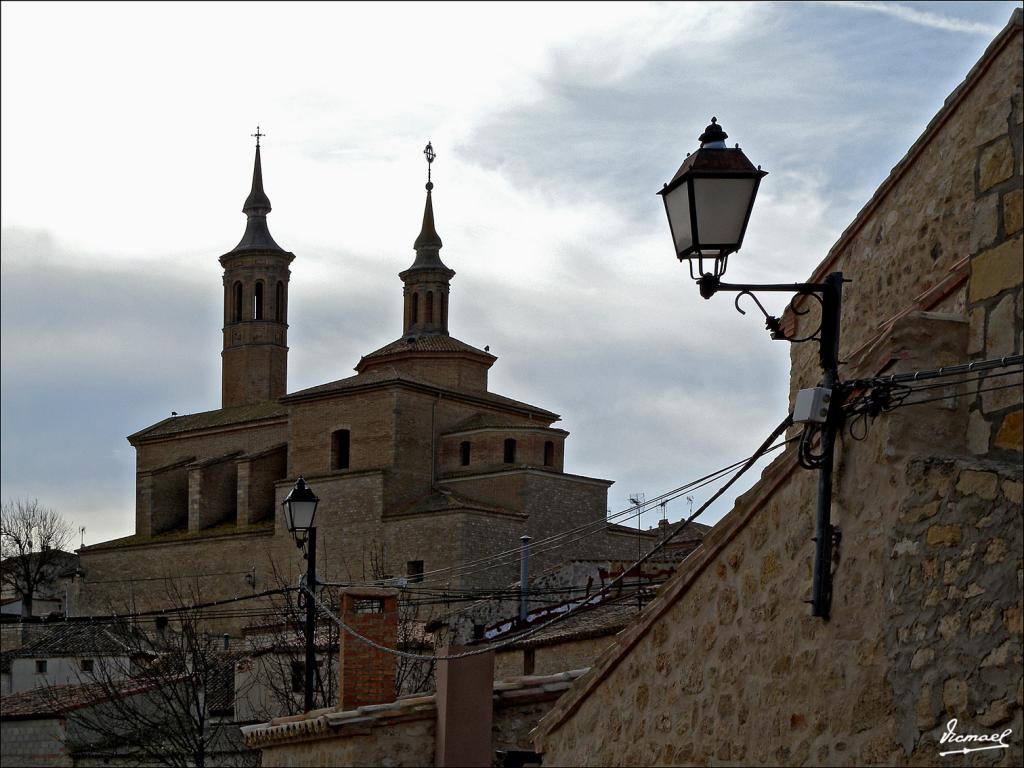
(708, 203)
(299, 512)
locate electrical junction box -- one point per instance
(812, 405)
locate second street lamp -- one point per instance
(299, 513)
(708, 204)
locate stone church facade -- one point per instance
(419, 467)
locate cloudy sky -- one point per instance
(126, 157)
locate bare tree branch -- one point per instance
(32, 543)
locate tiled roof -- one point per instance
(74, 639)
(224, 529)
(597, 621)
(386, 375)
(330, 723)
(494, 421)
(426, 342)
(222, 417)
(59, 699)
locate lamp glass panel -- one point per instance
(301, 514)
(722, 206)
(677, 205)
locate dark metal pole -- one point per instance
(821, 585)
(310, 618)
(524, 576)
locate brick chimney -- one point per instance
(366, 675)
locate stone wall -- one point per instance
(727, 666)
(949, 212)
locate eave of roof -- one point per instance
(382, 378)
(266, 411)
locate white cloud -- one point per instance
(923, 18)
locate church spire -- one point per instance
(255, 357)
(427, 280)
(428, 243)
(256, 208)
(257, 203)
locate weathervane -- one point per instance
(430, 155)
(258, 135)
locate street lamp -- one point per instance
(299, 513)
(708, 203)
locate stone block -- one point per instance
(922, 658)
(1013, 211)
(985, 222)
(1001, 333)
(954, 696)
(1003, 393)
(996, 270)
(979, 433)
(976, 334)
(973, 483)
(1012, 620)
(943, 536)
(995, 164)
(997, 713)
(1013, 491)
(1011, 432)
(1000, 656)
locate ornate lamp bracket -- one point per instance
(828, 294)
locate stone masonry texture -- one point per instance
(727, 666)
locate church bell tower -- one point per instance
(255, 356)
(427, 281)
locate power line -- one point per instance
(540, 546)
(783, 426)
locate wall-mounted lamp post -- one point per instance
(299, 513)
(708, 203)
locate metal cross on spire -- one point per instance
(258, 135)
(430, 155)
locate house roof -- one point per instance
(331, 723)
(387, 375)
(57, 700)
(73, 639)
(222, 417)
(594, 621)
(424, 342)
(494, 421)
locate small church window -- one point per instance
(429, 316)
(40, 666)
(279, 302)
(415, 308)
(298, 677)
(510, 451)
(257, 301)
(549, 454)
(340, 449)
(414, 571)
(464, 453)
(237, 310)
(87, 665)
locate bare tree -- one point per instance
(169, 699)
(32, 543)
(275, 666)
